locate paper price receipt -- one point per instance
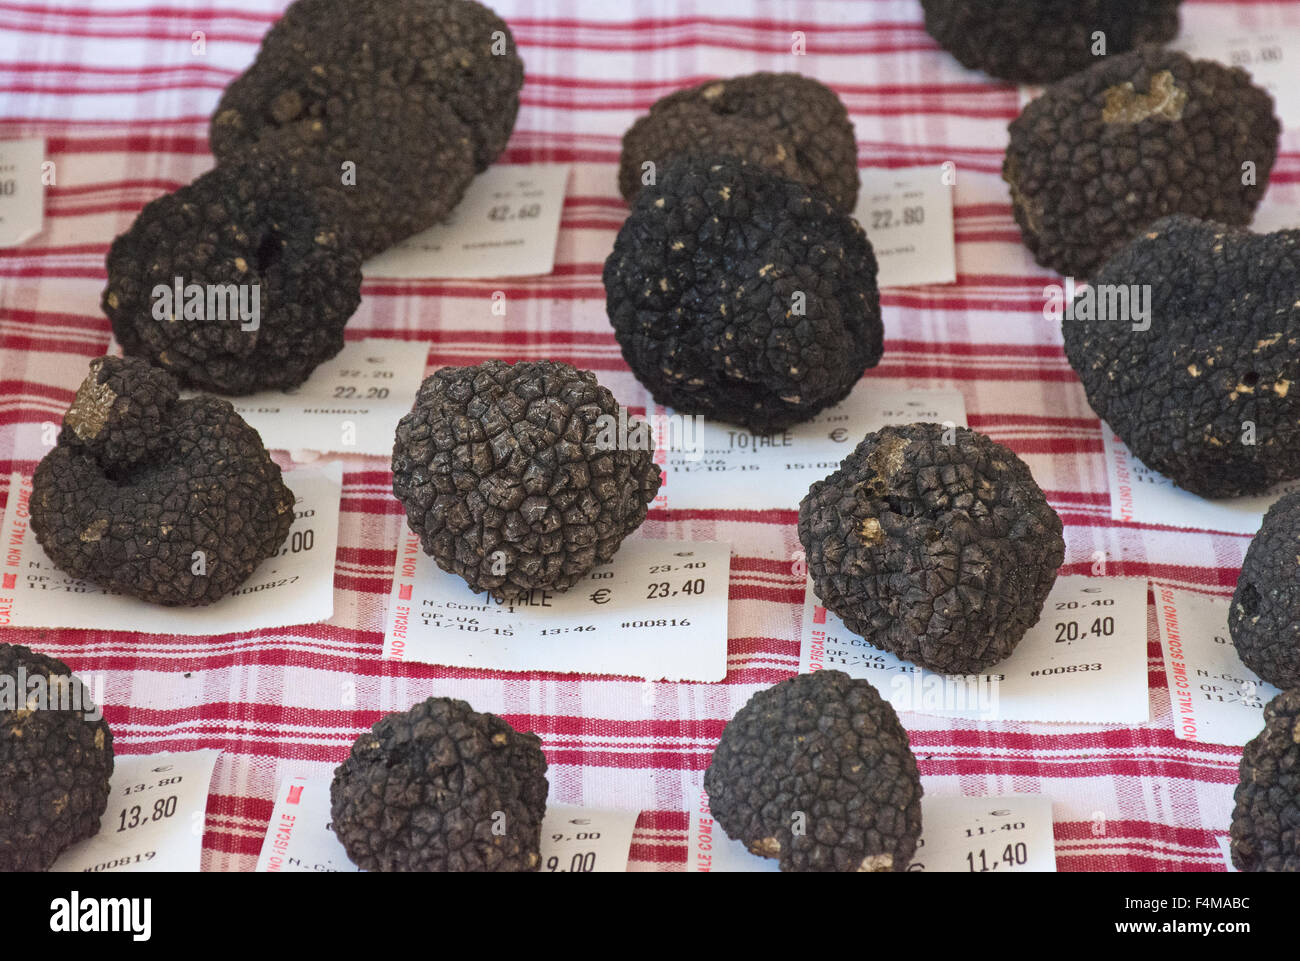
(907, 214)
(22, 190)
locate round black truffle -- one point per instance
(934, 543)
(1266, 819)
(436, 53)
(441, 787)
(743, 296)
(817, 771)
(1102, 154)
(787, 122)
(175, 502)
(1204, 390)
(265, 281)
(1038, 41)
(56, 757)
(1264, 619)
(518, 477)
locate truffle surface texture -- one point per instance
(1143, 135)
(515, 476)
(266, 282)
(743, 296)
(784, 121)
(934, 543)
(1038, 41)
(55, 762)
(1203, 386)
(1264, 619)
(175, 502)
(1266, 819)
(441, 787)
(823, 752)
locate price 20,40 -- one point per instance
(1074, 631)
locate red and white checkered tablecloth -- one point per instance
(123, 102)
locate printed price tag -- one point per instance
(1225, 848)
(1272, 60)
(722, 465)
(351, 403)
(658, 610)
(22, 190)
(1085, 661)
(505, 226)
(294, 587)
(907, 214)
(1140, 495)
(299, 838)
(1212, 696)
(1006, 834)
(155, 816)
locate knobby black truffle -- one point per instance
(1204, 389)
(817, 771)
(789, 123)
(56, 758)
(744, 296)
(235, 283)
(1100, 155)
(172, 501)
(1264, 619)
(441, 787)
(515, 476)
(1266, 819)
(933, 543)
(1038, 41)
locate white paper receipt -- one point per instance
(907, 214)
(574, 840)
(658, 610)
(155, 817)
(350, 405)
(1212, 695)
(22, 190)
(975, 835)
(1085, 661)
(713, 465)
(1272, 60)
(506, 225)
(1140, 495)
(296, 586)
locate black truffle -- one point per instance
(441, 787)
(518, 477)
(1206, 394)
(435, 53)
(817, 771)
(1266, 819)
(1102, 154)
(743, 296)
(934, 543)
(1264, 619)
(1038, 41)
(56, 757)
(266, 282)
(787, 122)
(172, 501)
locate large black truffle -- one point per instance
(56, 757)
(1038, 41)
(266, 282)
(172, 501)
(1207, 393)
(934, 543)
(1102, 154)
(1264, 619)
(817, 771)
(1266, 819)
(452, 53)
(518, 477)
(441, 787)
(744, 296)
(787, 122)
